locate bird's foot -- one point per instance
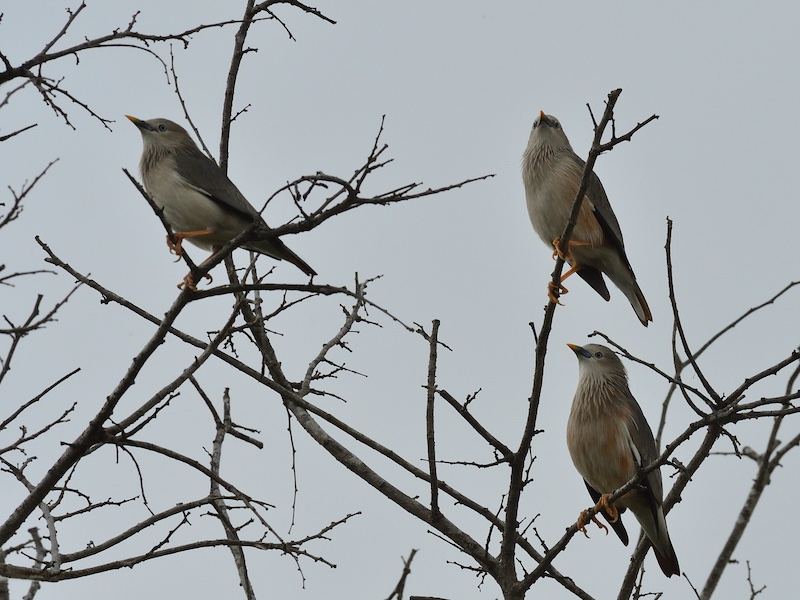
(175, 247)
(608, 507)
(584, 520)
(557, 252)
(188, 282)
(555, 291)
(567, 256)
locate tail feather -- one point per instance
(654, 526)
(615, 266)
(662, 545)
(640, 305)
(667, 561)
(278, 250)
(627, 284)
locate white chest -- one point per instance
(185, 208)
(551, 185)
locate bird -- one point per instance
(609, 441)
(551, 174)
(200, 203)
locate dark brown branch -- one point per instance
(767, 463)
(8, 136)
(25, 405)
(93, 432)
(16, 572)
(397, 592)
(690, 357)
(499, 446)
(16, 207)
(429, 420)
(231, 533)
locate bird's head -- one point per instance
(598, 363)
(162, 134)
(547, 131)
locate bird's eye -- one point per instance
(162, 127)
(556, 125)
(598, 355)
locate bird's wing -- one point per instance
(601, 207)
(645, 451)
(653, 524)
(617, 525)
(207, 178)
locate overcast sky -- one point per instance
(459, 83)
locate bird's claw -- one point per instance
(608, 507)
(603, 504)
(584, 520)
(568, 257)
(557, 252)
(176, 247)
(554, 291)
(188, 282)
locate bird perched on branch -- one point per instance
(200, 203)
(552, 173)
(610, 441)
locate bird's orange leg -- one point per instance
(609, 508)
(188, 281)
(602, 504)
(177, 247)
(554, 291)
(557, 251)
(583, 521)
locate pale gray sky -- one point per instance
(459, 83)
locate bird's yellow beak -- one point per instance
(144, 125)
(579, 350)
(542, 116)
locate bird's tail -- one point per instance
(275, 248)
(655, 528)
(639, 304)
(626, 282)
(667, 561)
(662, 547)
